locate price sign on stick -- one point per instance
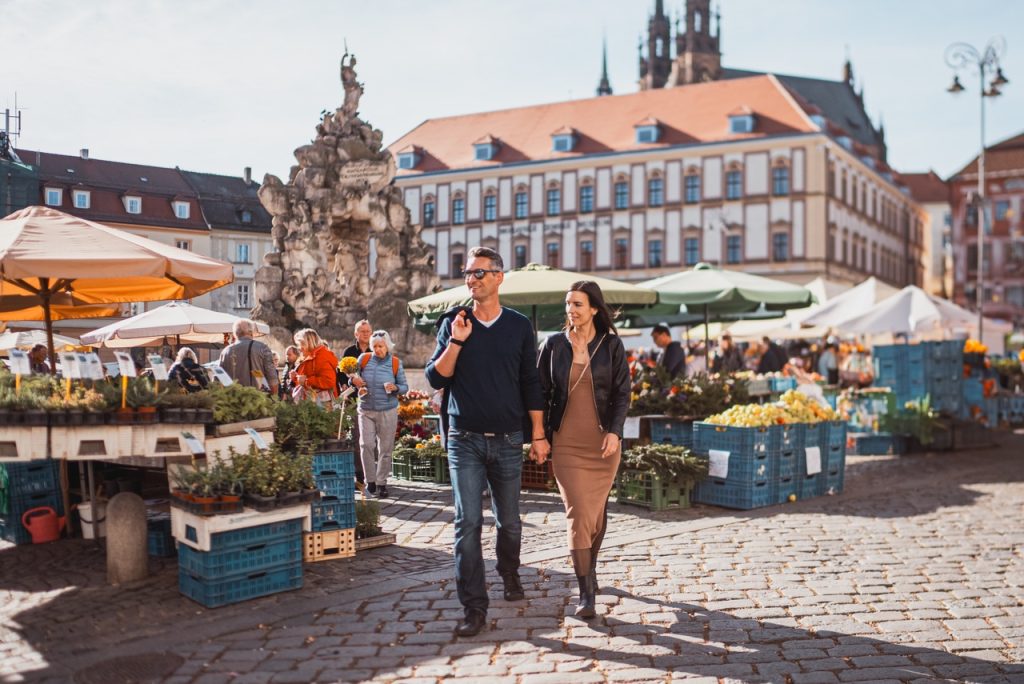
(20, 364)
(113, 368)
(631, 428)
(125, 364)
(257, 438)
(195, 445)
(221, 376)
(156, 363)
(69, 361)
(95, 368)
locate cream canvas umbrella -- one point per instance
(47, 253)
(911, 311)
(854, 302)
(26, 339)
(185, 322)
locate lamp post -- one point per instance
(964, 56)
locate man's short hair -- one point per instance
(39, 347)
(488, 253)
(659, 329)
(243, 327)
(360, 324)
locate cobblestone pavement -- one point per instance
(914, 573)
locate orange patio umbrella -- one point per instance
(52, 259)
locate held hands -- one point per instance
(390, 387)
(461, 326)
(610, 445)
(540, 449)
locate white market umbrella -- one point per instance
(911, 311)
(185, 322)
(26, 339)
(855, 301)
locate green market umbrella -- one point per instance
(536, 291)
(716, 292)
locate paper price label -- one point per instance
(113, 368)
(156, 363)
(94, 366)
(346, 393)
(257, 438)
(221, 376)
(813, 460)
(125, 364)
(20, 365)
(718, 463)
(194, 444)
(631, 428)
(69, 362)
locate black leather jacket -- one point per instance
(608, 368)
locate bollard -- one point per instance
(127, 557)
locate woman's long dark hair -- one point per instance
(603, 317)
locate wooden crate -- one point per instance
(322, 546)
(22, 443)
(240, 442)
(385, 539)
(161, 440)
(91, 442)
(260, 425)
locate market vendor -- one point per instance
(672, 356)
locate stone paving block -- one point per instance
(822, 677)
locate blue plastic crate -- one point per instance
(810, 485)
(213, 594)
(751, 468)
(13, 531)
(783, 384)
(342, 488)
(834, 479)
(339, 463)
(833, 433)
(788, 437)
(974, 392)
(872, 444)
(735, 440)
(332, 514)
(672, 431)
(786, 464)
(33, 477)
(786, 487)
(242, 560)
(247, 536)
(18, 503)
(729, 495)
(160, 544)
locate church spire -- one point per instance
(604, 87)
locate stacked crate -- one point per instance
(913, 371)
(159, 542)
(334, 515)
(224, 559)
(672, 431)
(29, 485)
(768, 465)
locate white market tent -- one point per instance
(183, 322)
(850, 303)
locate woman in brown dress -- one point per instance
(585, 379)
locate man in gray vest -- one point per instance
(241, 358)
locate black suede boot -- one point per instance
(586, 609)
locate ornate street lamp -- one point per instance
(960, 56)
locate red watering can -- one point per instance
(43, 524)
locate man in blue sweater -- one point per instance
(485, 362)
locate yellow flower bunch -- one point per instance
(348, 365)
(974, 347)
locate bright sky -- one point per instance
(217, 85)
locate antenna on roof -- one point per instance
(13, 119)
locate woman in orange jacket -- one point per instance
(315, 377)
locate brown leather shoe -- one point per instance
(472, 624)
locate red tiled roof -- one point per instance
(1007, 155)
(686, 115)
(926, 187)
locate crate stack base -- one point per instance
(419, 468)
(29, 485)
(334, 515)
(650, 490)
(671, 431)
(913, 371)
(231, 558)
(159, 541)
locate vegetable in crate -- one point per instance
(666, 460)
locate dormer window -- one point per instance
(181, 210)
(741, 121)
(54, 197)
(246, 216)
(409, 157)
(486, 148)
(133, 204)
(563, 140)
(647, 131)
(845, 141)
(81, 199)
(818, 120)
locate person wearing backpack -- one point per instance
(383, 379)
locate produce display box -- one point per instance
(786, 487)
(161, 440)
(339, 464)
(328, 545)
(538, 476)
(868, 444)
(671, 431)
(339, 487)
(22, 443)
(32, 477)
(218, 532)
(810, 486)
(735, 440)
(229, 590)
(416, 468)
(732, 495)
(331, 513)
(780, 385)
(643, 488)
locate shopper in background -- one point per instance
(672, 357)
(315, 378)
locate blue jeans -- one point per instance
(476, 461)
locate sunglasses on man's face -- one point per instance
(479, 273)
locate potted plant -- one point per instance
(913, 425)
(240, 404)
(142, 397)
(170, 405)
(369, 534)
(658, 476)
(303, 426)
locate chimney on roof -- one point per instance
(247, 175)
(84, 152)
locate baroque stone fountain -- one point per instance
(339, 206)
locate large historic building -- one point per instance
(1003, 266)
(779, 175)
(932, 193)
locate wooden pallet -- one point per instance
(374, 542)
(328, 545)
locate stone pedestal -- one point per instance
(127, 556)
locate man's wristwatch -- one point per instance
(457, 343)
